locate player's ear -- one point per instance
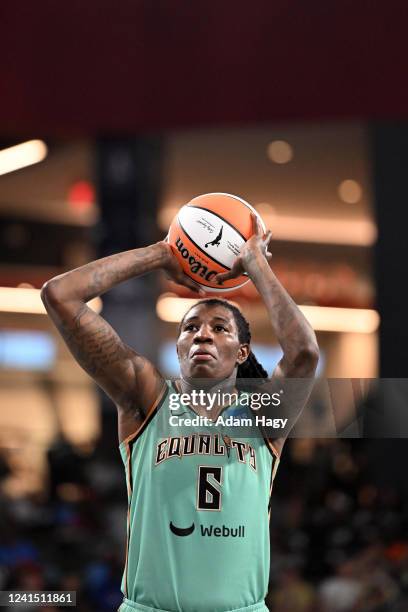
(243, 353)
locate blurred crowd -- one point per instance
(338, 528)
(72, 536)
(339, 540)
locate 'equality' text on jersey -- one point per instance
(205, 444)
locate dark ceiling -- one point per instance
(71, 68)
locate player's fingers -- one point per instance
(188, 282)
(256, 228)
(268, 238)
(220, 278)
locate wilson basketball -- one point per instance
(207, 234)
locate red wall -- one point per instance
(85, 66)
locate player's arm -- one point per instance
(129, 379)
(293, 331)
(294, 374)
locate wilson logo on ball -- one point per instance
(195, 266)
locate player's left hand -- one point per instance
(257, 244)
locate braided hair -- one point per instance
(250, 368)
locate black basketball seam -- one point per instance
(222, 219)
(198, 247)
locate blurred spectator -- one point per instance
(342, 592)
(293, 593)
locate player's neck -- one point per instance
(209, 385)
(211, 401)
(222, 391)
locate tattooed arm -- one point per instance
(293, 331)
(129, 379)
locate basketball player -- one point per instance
(198, 532)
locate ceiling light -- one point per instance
(22, 155)
(171, 308)
(26, 300)
(350, 191)
(280, 152)
(352, 232)
(350, 320)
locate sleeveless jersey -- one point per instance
(198, 503)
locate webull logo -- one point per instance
(223, 532)
(209, 531)
(196, 267)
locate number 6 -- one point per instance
(209, 495)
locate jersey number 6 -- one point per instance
(208, 494)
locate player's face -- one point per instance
(208, 344)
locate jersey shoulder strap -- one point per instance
(150, 414)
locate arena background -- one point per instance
(135, 107)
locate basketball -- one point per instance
(206, 236)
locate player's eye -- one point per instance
(189, 327)
(220, 328)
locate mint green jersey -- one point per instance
(198, 524)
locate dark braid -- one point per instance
(251, 368)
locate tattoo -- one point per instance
(292, 330)
(93, 341)
(106, 275)
(121, 266)
(103, 355)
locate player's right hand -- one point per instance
(175, 273)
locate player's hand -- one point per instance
(257, 244)
(174, 271)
